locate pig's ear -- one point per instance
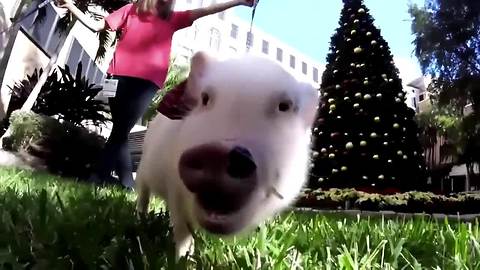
(198, 66)
(309, 100)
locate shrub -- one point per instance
(19, 94)
(64, 96)
(66, 149)
(409, 202)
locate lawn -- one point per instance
(50, 223)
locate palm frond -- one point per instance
(105, 40)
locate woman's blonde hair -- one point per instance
(150, 7)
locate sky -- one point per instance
(308, 25)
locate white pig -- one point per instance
(241, 154)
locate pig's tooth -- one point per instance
(275, 192)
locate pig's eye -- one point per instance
(205, 99)
(284, 106)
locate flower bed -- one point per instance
(409, 202)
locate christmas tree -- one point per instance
(365, 135)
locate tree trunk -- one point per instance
(469, 167)
(11, 36)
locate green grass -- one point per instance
(49, 223)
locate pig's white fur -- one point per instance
(244, 95)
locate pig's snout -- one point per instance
(220, 176)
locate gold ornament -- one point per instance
(357, 50)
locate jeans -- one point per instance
(131, 101)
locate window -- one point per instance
(421, 97)
(189, 1)
(250, 39)
(215, 39)
(304, 68)
(234, 31)
(279, 54)
(76, 55)
(292, 61)
(315, 74)
(221, 15)
(44, 33)
(265, 47)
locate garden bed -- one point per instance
(409, 202)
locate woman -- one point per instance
(139, 66)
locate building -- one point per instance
(224, 34)
(417, 95)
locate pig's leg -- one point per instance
(143, 196)
(182, 234)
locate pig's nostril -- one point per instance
(240, 163)
(194, 164)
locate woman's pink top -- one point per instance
(143, 50)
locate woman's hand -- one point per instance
(63, 3)
(248, 3)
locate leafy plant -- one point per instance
(71, 99)
(176, 74)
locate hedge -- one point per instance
(408, 202)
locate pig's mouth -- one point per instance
(220, 212)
